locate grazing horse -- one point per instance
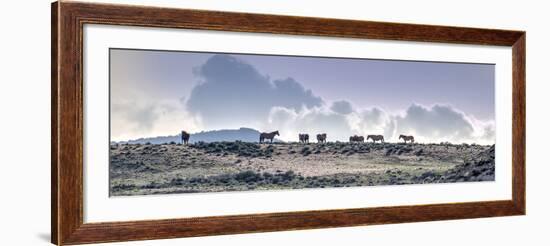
(375, 138)
(304, 138)
(322, 138)
(407, 138)
(268, 135)
(355, 138)
(185, 137)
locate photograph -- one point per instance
(236, 124)
(194, 122)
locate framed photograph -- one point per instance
(177, 123)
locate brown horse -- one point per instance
(304, 138)
(322, 138)
(407, 138)
(357, 139)
(268, 135)
(375, 138)
(185, 137)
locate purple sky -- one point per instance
(392, 85)
(152, 76)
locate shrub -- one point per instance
(288, 175)
(224, 178)
(177, 181)
(248, 176)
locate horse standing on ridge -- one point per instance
(268, 135)
(322, 138)
(304, 138)
(407, 138)
(355, 138)
(376, 138)
(185, 137)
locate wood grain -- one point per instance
(68, 19)
(54, 126)
(518, 123)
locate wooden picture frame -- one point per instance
(68, 20)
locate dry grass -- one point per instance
(233, 166)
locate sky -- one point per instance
(159, 93)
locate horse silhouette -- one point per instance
(357, 139)
(268, 135)
(304, 138)
(185, 137)
(407, 138)
(375, 138)
(322, 138)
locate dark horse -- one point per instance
(322, 138)
(355, 138)
(376, 138)
(268, 135)
(407, 138)
(304, 138)
(185, 137)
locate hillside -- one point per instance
(140, 169)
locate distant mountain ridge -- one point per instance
(241, 134)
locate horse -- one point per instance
(407, 138)
(304, 138)
(185, 137)
(355, 138)
(268, 135)
(322, 138)
(376, 138)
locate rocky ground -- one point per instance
(140, 169)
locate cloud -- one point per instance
(341, 107)
(291, 122)
(443, 123)
(232, 93)
(372, 121)
(137, 119)
(142, 117)
(330, 120)
(438, 123)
